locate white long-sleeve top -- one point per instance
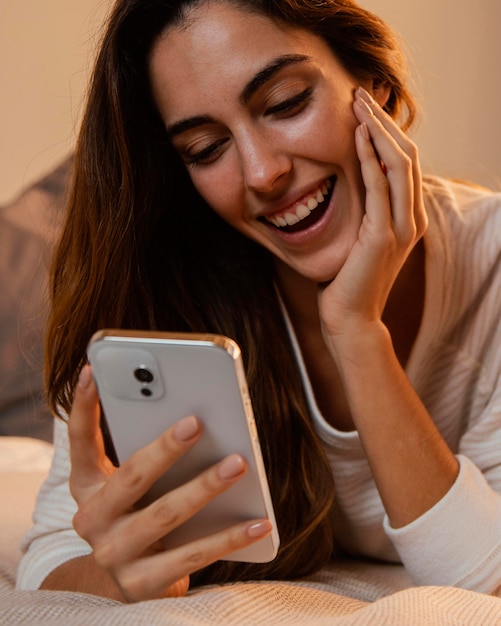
(455, 367)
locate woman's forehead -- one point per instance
(221, 42)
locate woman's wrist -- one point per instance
(83, 575)
(359, 343)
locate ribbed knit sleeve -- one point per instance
(456, 543)
(52, 540)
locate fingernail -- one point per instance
(259, 529)
(365, 95)
(364, 106)
(364, 129)
(186, 428)
(231, 466)
(85, 377)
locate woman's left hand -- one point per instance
(411, 463)
(393, 223)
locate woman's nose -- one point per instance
(265, 165)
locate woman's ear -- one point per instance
(381, 92)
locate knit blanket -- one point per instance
(351, 593)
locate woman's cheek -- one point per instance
(217, 188)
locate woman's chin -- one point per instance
(323, 275)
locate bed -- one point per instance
(348, 592)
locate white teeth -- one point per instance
(302, 210)
(291, 219)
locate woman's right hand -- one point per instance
(126, 540)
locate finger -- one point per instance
(89, 465)
(399, 172)
(387, 121)
(408, 146)
(150, 524)
(377, 203)
(150, 576)
(141, 470)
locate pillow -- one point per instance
(28, 229)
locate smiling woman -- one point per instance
(271, 136)
(243, 168)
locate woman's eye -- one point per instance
(206, 155)
(292, 105)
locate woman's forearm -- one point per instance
(412, 464)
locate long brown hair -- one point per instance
(141, 249)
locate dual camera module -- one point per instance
(144, 376)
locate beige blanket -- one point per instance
(348, 593)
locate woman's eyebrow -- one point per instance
(187, 124)
(262, 77)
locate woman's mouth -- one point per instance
(305, 213)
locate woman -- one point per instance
(243, 168)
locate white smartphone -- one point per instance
(149, 380)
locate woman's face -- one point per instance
(262, 116)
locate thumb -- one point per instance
(89, 463)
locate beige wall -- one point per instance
(45, 47)
(44, 61)
(456, 50)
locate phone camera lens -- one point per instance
(143, 375)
